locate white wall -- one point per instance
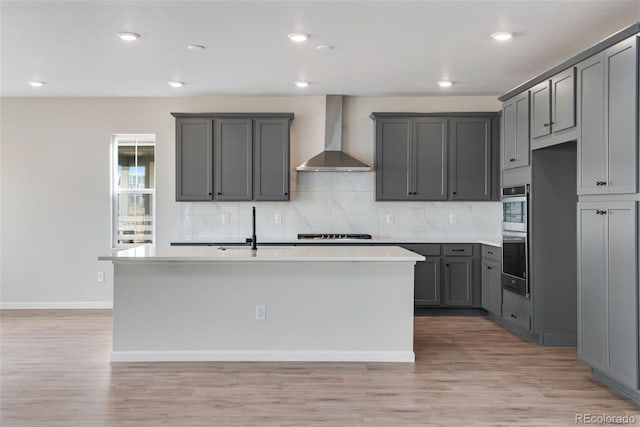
(54, 181)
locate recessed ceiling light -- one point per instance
(301, 83)
(444, 83)
(324, 47)
(502, 36)
(298, 37)
(196, 47)
(129, 37)
(36, 83)
(176, 83)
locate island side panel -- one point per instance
(361, 311)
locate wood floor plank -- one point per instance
(55, 371)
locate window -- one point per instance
(133, 176)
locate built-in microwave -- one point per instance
(514, 208)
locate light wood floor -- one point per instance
(55, 370)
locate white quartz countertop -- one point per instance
(263, 254)
(490, 241)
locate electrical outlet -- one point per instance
(277, 218)
(261, 312)
(225, 218)
(389, 218)
(453, 218)
(100, 276)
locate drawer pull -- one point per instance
(457, 250)
(513, 315)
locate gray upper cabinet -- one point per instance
(438, 156)
(470, 158)
(271, 159)
(608, 288)
(394, 155)
(232, 156)
(553, 104)
(430, 159)
(515, 132)
(411, 156)
(608, 121)
(563, 100)
(233, 159)
(540, 110)
(194, 158)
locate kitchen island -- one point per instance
(318, 304)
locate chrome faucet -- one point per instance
(254, 239)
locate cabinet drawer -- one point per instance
(423, 249)
(458, 249)
(516, 317)
(491, 253)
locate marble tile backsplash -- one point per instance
(337, 202)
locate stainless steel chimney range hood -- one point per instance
(333, 159)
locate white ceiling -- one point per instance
(381, 47)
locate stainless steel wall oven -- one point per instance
(515, 242)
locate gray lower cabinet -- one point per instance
(232, 156)
(515, 132)
(449, 277)
(608, 120)
(470, 158)
(491, 284)
(194, 150)
(608, 295)
(436, 157)
(553, 104)
(458, 282)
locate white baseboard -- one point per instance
(263, 356)
(55, 305)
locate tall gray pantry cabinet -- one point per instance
(608, 256)
(232, 156)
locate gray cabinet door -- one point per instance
(591, 284)
(540, 110)
(458, 281)
(491, 287)
(430, 158)
(592, 146)
(271, 159)
(233, 159)
(194, 159)
(563, 102)
(622, 292)
(515, 132)
(394, 177)
(427, 282)
(470, 158)
(621, 112)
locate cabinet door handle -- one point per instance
(454, 193)
(600, 212)
(210, 193)
(286, 194)
(512, 160)
(545, 125)
(219, 193)
(490, 253)
(553, 123)
(446, 265)
(457, 250)
(513, 315)
(489, 268)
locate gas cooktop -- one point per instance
(333, 236)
